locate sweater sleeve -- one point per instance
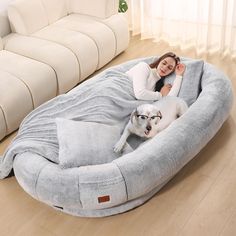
(140, 74)
(176, 86)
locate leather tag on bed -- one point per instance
(102, 199)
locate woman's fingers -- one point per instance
(180, 68)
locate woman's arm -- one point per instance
(140, 74)
(180, 68)
(176, 86)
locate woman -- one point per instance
(148, 80)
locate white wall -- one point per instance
(3, 4)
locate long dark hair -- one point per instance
(160, 83)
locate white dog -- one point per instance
(149, 119)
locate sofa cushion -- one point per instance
(83, 47)
(28, 16)
(24, 85)
(119, 25)
(102, 35)
(60, 58)
(55, 13)
(98, 8)
(16, 106)
(38, 78)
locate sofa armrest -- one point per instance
(99, 8)
(4, 23)
(27, 16)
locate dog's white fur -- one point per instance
(149, 119)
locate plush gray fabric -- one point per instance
(191, 85)
(86, 143)
(128, 181)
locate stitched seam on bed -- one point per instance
(126, 189)
(36, 182)
(78, 184)
(107, 181)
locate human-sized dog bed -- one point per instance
(63, 153)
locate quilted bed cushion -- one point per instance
(86, 143)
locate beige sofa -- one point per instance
(24, 85)
(54, 45)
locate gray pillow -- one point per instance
(86, 143)
(191, 84)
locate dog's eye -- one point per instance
(143, 117)
(153, 117)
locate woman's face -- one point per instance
(166, 66)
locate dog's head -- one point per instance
(145, 119)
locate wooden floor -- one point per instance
(199, 200)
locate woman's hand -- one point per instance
(165, 89)
(180, 68)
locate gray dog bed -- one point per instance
(63, 153)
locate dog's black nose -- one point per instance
(149, 127)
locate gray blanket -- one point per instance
(106, 99)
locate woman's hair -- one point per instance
(160, 83)
(168, 54)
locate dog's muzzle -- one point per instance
(148, 129)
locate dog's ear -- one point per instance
(133, 114)
(159, 115)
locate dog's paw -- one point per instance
(118, 147)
